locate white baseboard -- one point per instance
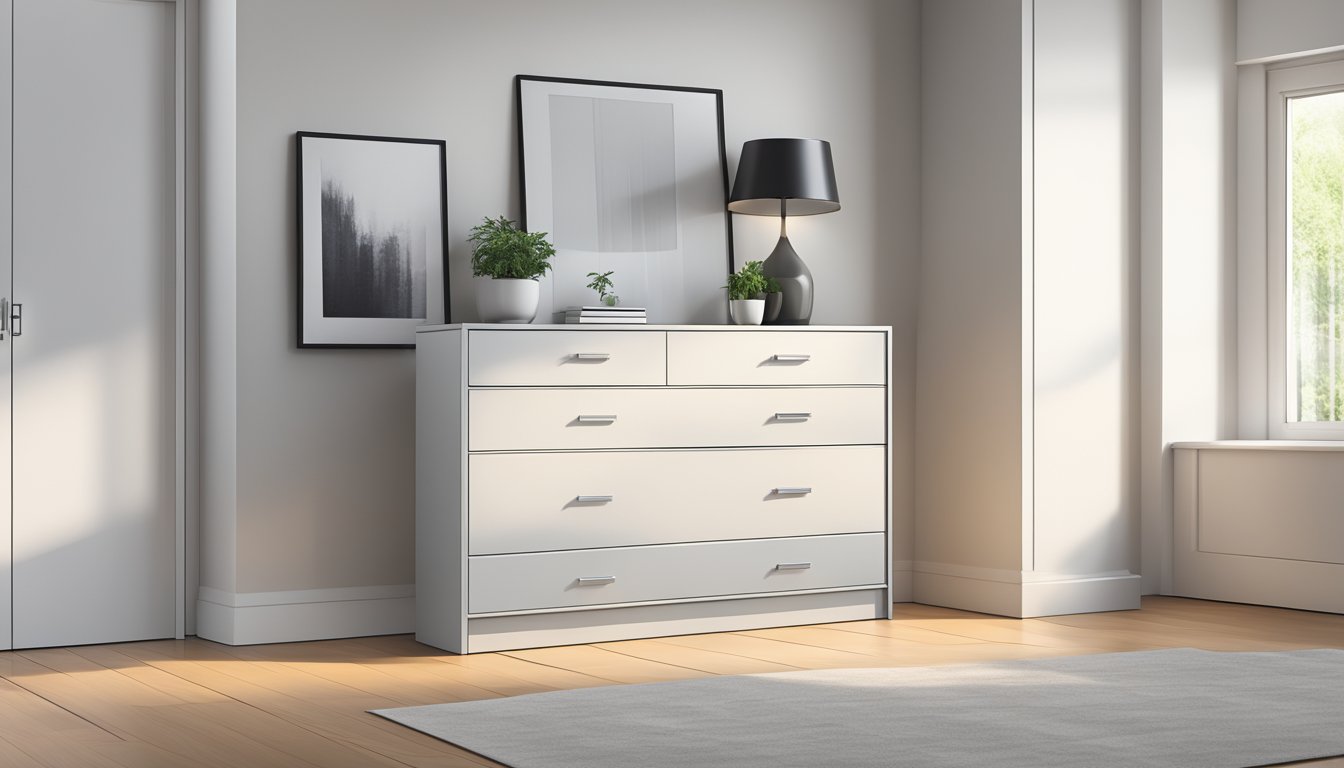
(1023, 594)
(250, 618)
(1093, 593)
(967, 593)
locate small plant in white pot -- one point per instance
(507, 263)
(746, 294)
(603, 285)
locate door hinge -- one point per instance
(15, 319)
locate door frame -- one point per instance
(6, 290)
(187, 299)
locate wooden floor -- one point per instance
(193, 702)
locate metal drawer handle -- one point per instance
(798, 416)
(792, 491)
(596, 581)
(598, 356)
(793, 566)
(791, 358)
(597, 419)
(594, 499)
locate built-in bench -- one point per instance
(1260, 522)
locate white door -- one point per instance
(93, 367)
(6, 20)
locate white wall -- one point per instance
(1189, 356)
(1026, 366)
(324, 442)
(1086, 291)
(1272, 29)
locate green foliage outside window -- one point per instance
(1316, 317)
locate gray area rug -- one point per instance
(1166, 708)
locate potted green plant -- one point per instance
(746, 294)
(603, 285)
(507, 262)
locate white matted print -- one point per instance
(372, 220)
(632, 179)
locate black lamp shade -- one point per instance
(797, 171)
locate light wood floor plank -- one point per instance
(602, 663)
(330, 710)
(26, 713)
(495, 672)
(11, 755)
(901, 631)
(888, 652)
(203, 734)
(775, 651)
(709, 662)
(170, 703)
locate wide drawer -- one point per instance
(783, 357)
(566, 358)
(675, 571)
(528, 502)
(576, 419)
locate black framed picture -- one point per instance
(373, 233)
(632, 179)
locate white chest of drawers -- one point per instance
(580, 485)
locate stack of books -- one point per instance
(603, 315)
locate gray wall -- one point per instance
(970, 459)
(324, 438)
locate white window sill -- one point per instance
(1263, 445)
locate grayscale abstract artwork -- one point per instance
(369, 268)
(372, 239)
(629, 179)
(614, 175)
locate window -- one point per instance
(1305, 136)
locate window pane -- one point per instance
(1316, 248)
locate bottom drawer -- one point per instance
(635, 574)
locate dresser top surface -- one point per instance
(648, 327)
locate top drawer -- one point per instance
(566, 358)
(786, 357)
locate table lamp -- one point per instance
(786, 177)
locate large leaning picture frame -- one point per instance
(633, 179)
(373, 229)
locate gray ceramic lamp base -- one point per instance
(795, 284)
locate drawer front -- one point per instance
(577, 419)
(785, 357)
(605, 576)
(566, 358)
(523, 502)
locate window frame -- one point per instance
(1282, 84)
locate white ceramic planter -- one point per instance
(747, 311)
(505, 300)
